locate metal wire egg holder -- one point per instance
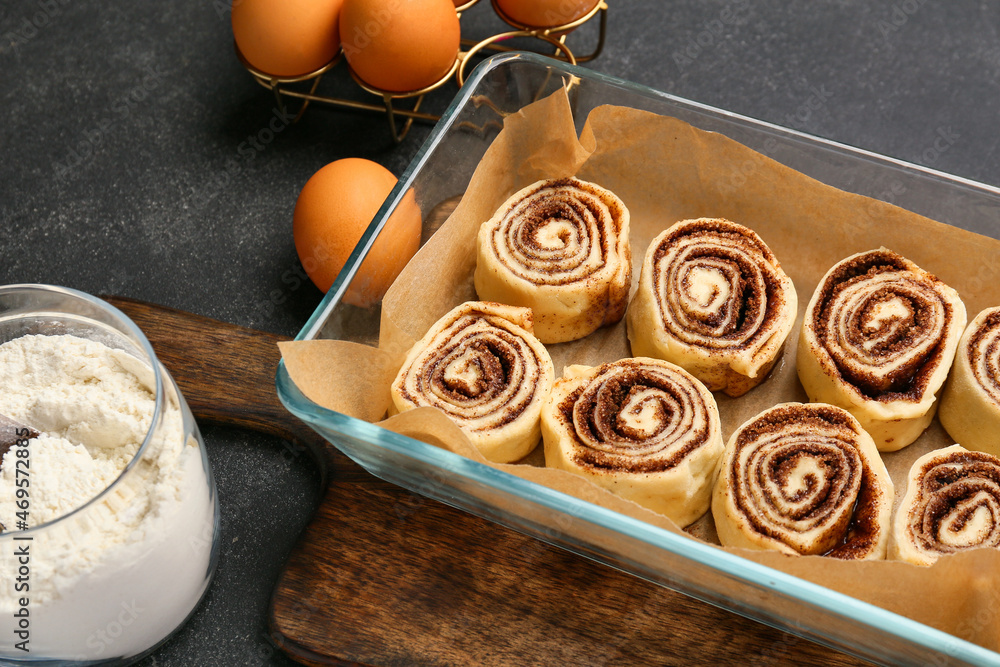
(304, 87)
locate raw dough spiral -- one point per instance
(481, 365)
(712, 299)
(970, 404)
(878, 338)
(559, 247)
(804, 479)
(644, 429)
(952, 504)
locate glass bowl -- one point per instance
(440, 173)
(109, 581)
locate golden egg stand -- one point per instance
(304, 87)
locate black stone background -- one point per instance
(121, 172)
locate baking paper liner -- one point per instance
(665, 170)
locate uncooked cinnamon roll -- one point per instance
(644, 429)
(952, 504)
(481, 365)
(804, 479)
(878, 338)
(713, 299)
(559, 247)
(970, 405)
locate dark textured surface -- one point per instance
(127, 168)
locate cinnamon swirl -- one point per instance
(481, 365)
(804, 479)
(712, 299)
(559, 247)
(644, 429)
(878, 338)
(952, 504)
(970, 404)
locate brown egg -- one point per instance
(334, 209)
(546, 13)
(400, 45)
(287, 37)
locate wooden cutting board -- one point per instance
(384, 577)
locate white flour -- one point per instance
(120, 575)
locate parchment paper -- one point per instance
(665, 170)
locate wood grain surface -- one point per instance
(384, 577)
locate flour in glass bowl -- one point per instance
(121, 574)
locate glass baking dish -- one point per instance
(440, 173)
